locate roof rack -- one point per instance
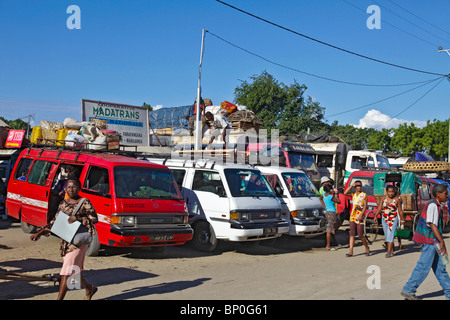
(61, 146)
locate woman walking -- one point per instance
(333, 222)
(73, 256)
(391, 208)
(359, 207)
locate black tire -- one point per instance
(94, 247)
(204, 238)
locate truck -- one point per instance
(293, 155)
(337, 161)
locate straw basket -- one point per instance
(427, 166)
(101, 124)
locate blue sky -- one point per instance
(144, 50)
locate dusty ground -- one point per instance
(290, 269)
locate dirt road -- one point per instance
(290, 269)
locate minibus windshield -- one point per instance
(245, 183)
(145, 183)
(299, 184)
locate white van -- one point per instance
(227, 202)
(306, 213)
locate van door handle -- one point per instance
(106, 204)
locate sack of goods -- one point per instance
(75, 140)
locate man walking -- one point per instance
(429, 232)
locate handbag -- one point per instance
(74, 232)
(83, 236)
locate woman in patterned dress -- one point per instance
(390, 208)
(73, 256)
(357, 214)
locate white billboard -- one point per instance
(130, 121)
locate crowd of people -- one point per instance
(428, 233)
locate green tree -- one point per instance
(407, 139)
(380, 140)
(435, 139)
(17, 124)
(280, 106)
(146, 105)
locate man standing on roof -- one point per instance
(219, 122)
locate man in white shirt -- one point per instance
(427, 233)
(219, 122)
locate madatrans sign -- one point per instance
(130, 121)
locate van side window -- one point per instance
(178, 174)
(22, 169)
(40, 171)
(97, 180)
(207, 181)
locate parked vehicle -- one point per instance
(8, 158)
(337, 162)
(138, 203)
(365, 159)
(292, 155)
(227, 202)
(296, 190)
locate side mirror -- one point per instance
(220, 191)
(278, 191)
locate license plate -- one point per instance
(270, 230)
(163, 237)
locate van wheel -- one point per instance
(94, 247)
(204, 238)
(27, 228)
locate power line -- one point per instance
(410, 22)
(412, 104)
(328, 44)
(385, 99)
(419, 17)
(311, 74)
(390, 24)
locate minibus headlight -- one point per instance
(245, 216)
(123, 220)
(316, 212)
(128, 220)
(241, 216)
(234, 215)
(180, 219)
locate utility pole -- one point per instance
(448, 78)
(198, 129)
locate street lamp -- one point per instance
(442, 50)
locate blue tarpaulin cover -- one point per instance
(170, 117)
(420, 156)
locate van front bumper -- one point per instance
(254, 231)
(308, 228)
(135, 237)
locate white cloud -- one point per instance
(378, 120)
(157, 107)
